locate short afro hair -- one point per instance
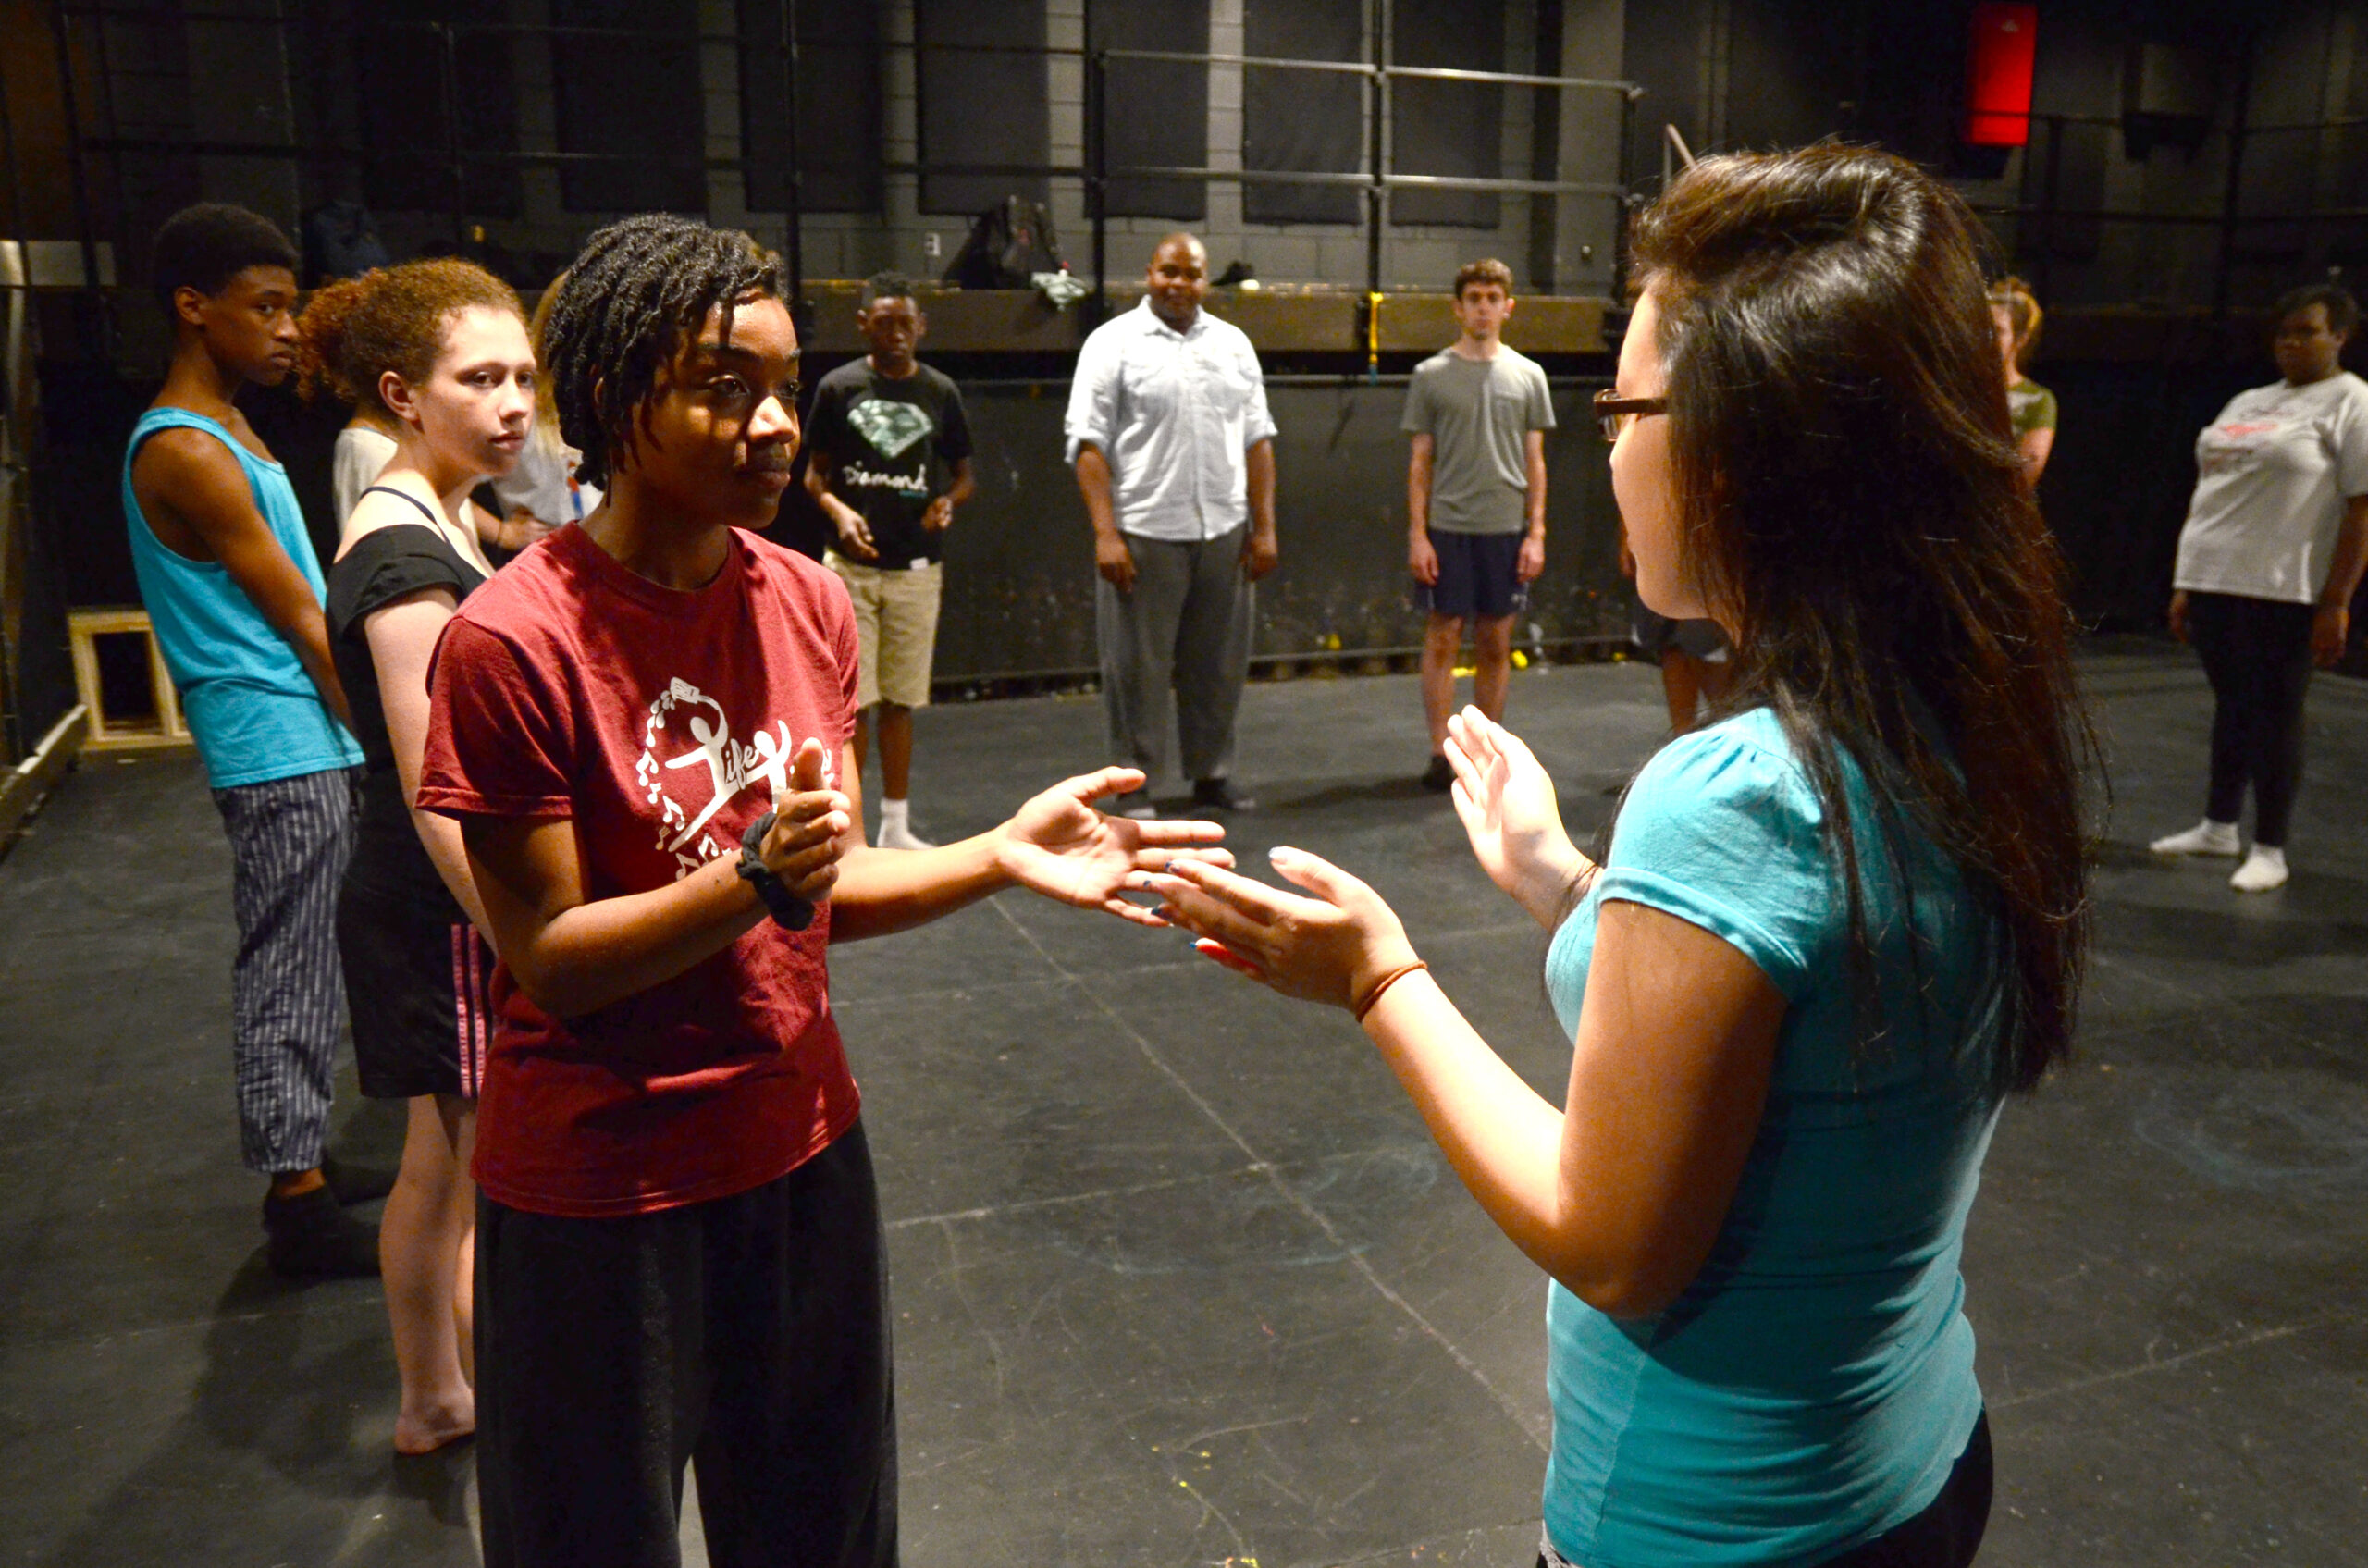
(2343, 311)
(205, 246)
(641, 288)
(886, 286)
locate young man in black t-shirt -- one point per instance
(888, 459)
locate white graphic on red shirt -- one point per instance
(762, 765)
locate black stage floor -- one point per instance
(1179, 1278)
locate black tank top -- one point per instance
(384, 565)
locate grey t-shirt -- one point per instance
(1478, 414)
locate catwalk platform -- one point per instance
(1178, 1280)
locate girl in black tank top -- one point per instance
(439, 350)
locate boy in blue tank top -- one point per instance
(235, 593)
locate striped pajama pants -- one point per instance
(289, 840)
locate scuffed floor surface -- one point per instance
(1179, 1279)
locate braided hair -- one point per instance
(641, 288)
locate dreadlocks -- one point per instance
(640, 290)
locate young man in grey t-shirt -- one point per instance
(1475, 498)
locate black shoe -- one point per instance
(356, 1183)
(1218, 795)
(1439, 777)
(312, 1236)
(1135, 804)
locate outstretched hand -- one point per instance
(1059, 845)
(1506, 800)
(1331, 947)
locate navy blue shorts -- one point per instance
(1478, 576)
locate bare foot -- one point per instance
(434, 1427)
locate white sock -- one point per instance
(892, 813)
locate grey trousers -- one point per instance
(1185, 627)
(289, 842)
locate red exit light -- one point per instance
(1998, 75)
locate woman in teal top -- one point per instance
(1830, 930)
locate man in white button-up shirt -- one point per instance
(1175, 452)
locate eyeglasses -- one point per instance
(1614, 413)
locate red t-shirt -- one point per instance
(657, 721)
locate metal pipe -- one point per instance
(93, 314)
(796, 217)
(449, 74)
(2233, 187)
(1624, 204)
(1377, 156)
(1097, 185)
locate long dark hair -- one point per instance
(1849, 497)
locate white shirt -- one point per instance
(2272, 475)
(360, 456)
(1175, 413)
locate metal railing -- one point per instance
(1379, 176)
(87, 78)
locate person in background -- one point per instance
(888, 459)
(1829, 933)
(2015, 315)
(544, 491)
(1693, 654)
(1175, 455)
(234, 592)
(1478, 412)
(2276, 538)
(438, 349)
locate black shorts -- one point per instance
(1655, 634)
(416, 985)
(1479, 574)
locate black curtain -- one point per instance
(627, 74)
(838, 107)
(401, 102)
(1446, 128)
(1300, 121)
(1159, 109)
(981, 84)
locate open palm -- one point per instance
(1506, 800)
(1059, 845)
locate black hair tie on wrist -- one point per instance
(789, 911)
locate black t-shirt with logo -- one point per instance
(893, 444)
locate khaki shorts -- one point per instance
(895, 628)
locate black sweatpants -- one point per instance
(2256, 653)
(749, 1332)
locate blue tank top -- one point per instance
(254, 710)
(1814, 1384)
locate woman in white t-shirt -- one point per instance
(2276, 539)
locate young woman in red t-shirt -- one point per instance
(678, 1237)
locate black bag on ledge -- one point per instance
(1010, 242)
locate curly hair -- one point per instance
(640, 290)
(356, 329)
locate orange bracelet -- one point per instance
(1383, 984)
